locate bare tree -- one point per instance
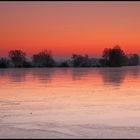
(17, 57)
(43, 59)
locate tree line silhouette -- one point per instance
(111, 57)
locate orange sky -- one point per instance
(69, 27)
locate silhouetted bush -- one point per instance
(81, 61)
(102, 62)
(27, 64)
(17, 58)
(133, 59)
(64, 64)
(4, 63)
(43, 59)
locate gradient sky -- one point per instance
(69, 27)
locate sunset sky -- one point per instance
(69, 27)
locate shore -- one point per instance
(71, 131)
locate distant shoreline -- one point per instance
(64, 67)
(111, 57)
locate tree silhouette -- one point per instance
(4, 63)
(43, 59)
(133, 59)
(81, 61)
(17, 57)
(114, 57)
(111, 57)
(106, 54)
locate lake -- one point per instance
(70, 103)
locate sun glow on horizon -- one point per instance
(69, 27)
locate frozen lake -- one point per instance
(70, 103)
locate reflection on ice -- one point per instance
(70, 103)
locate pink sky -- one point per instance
(69, 27)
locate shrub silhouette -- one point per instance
(17, 58)
(43, 59)
(64, 64)
(133, 60)
(27, 64)
(81, 61)
(103, 62)
(4, 63)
